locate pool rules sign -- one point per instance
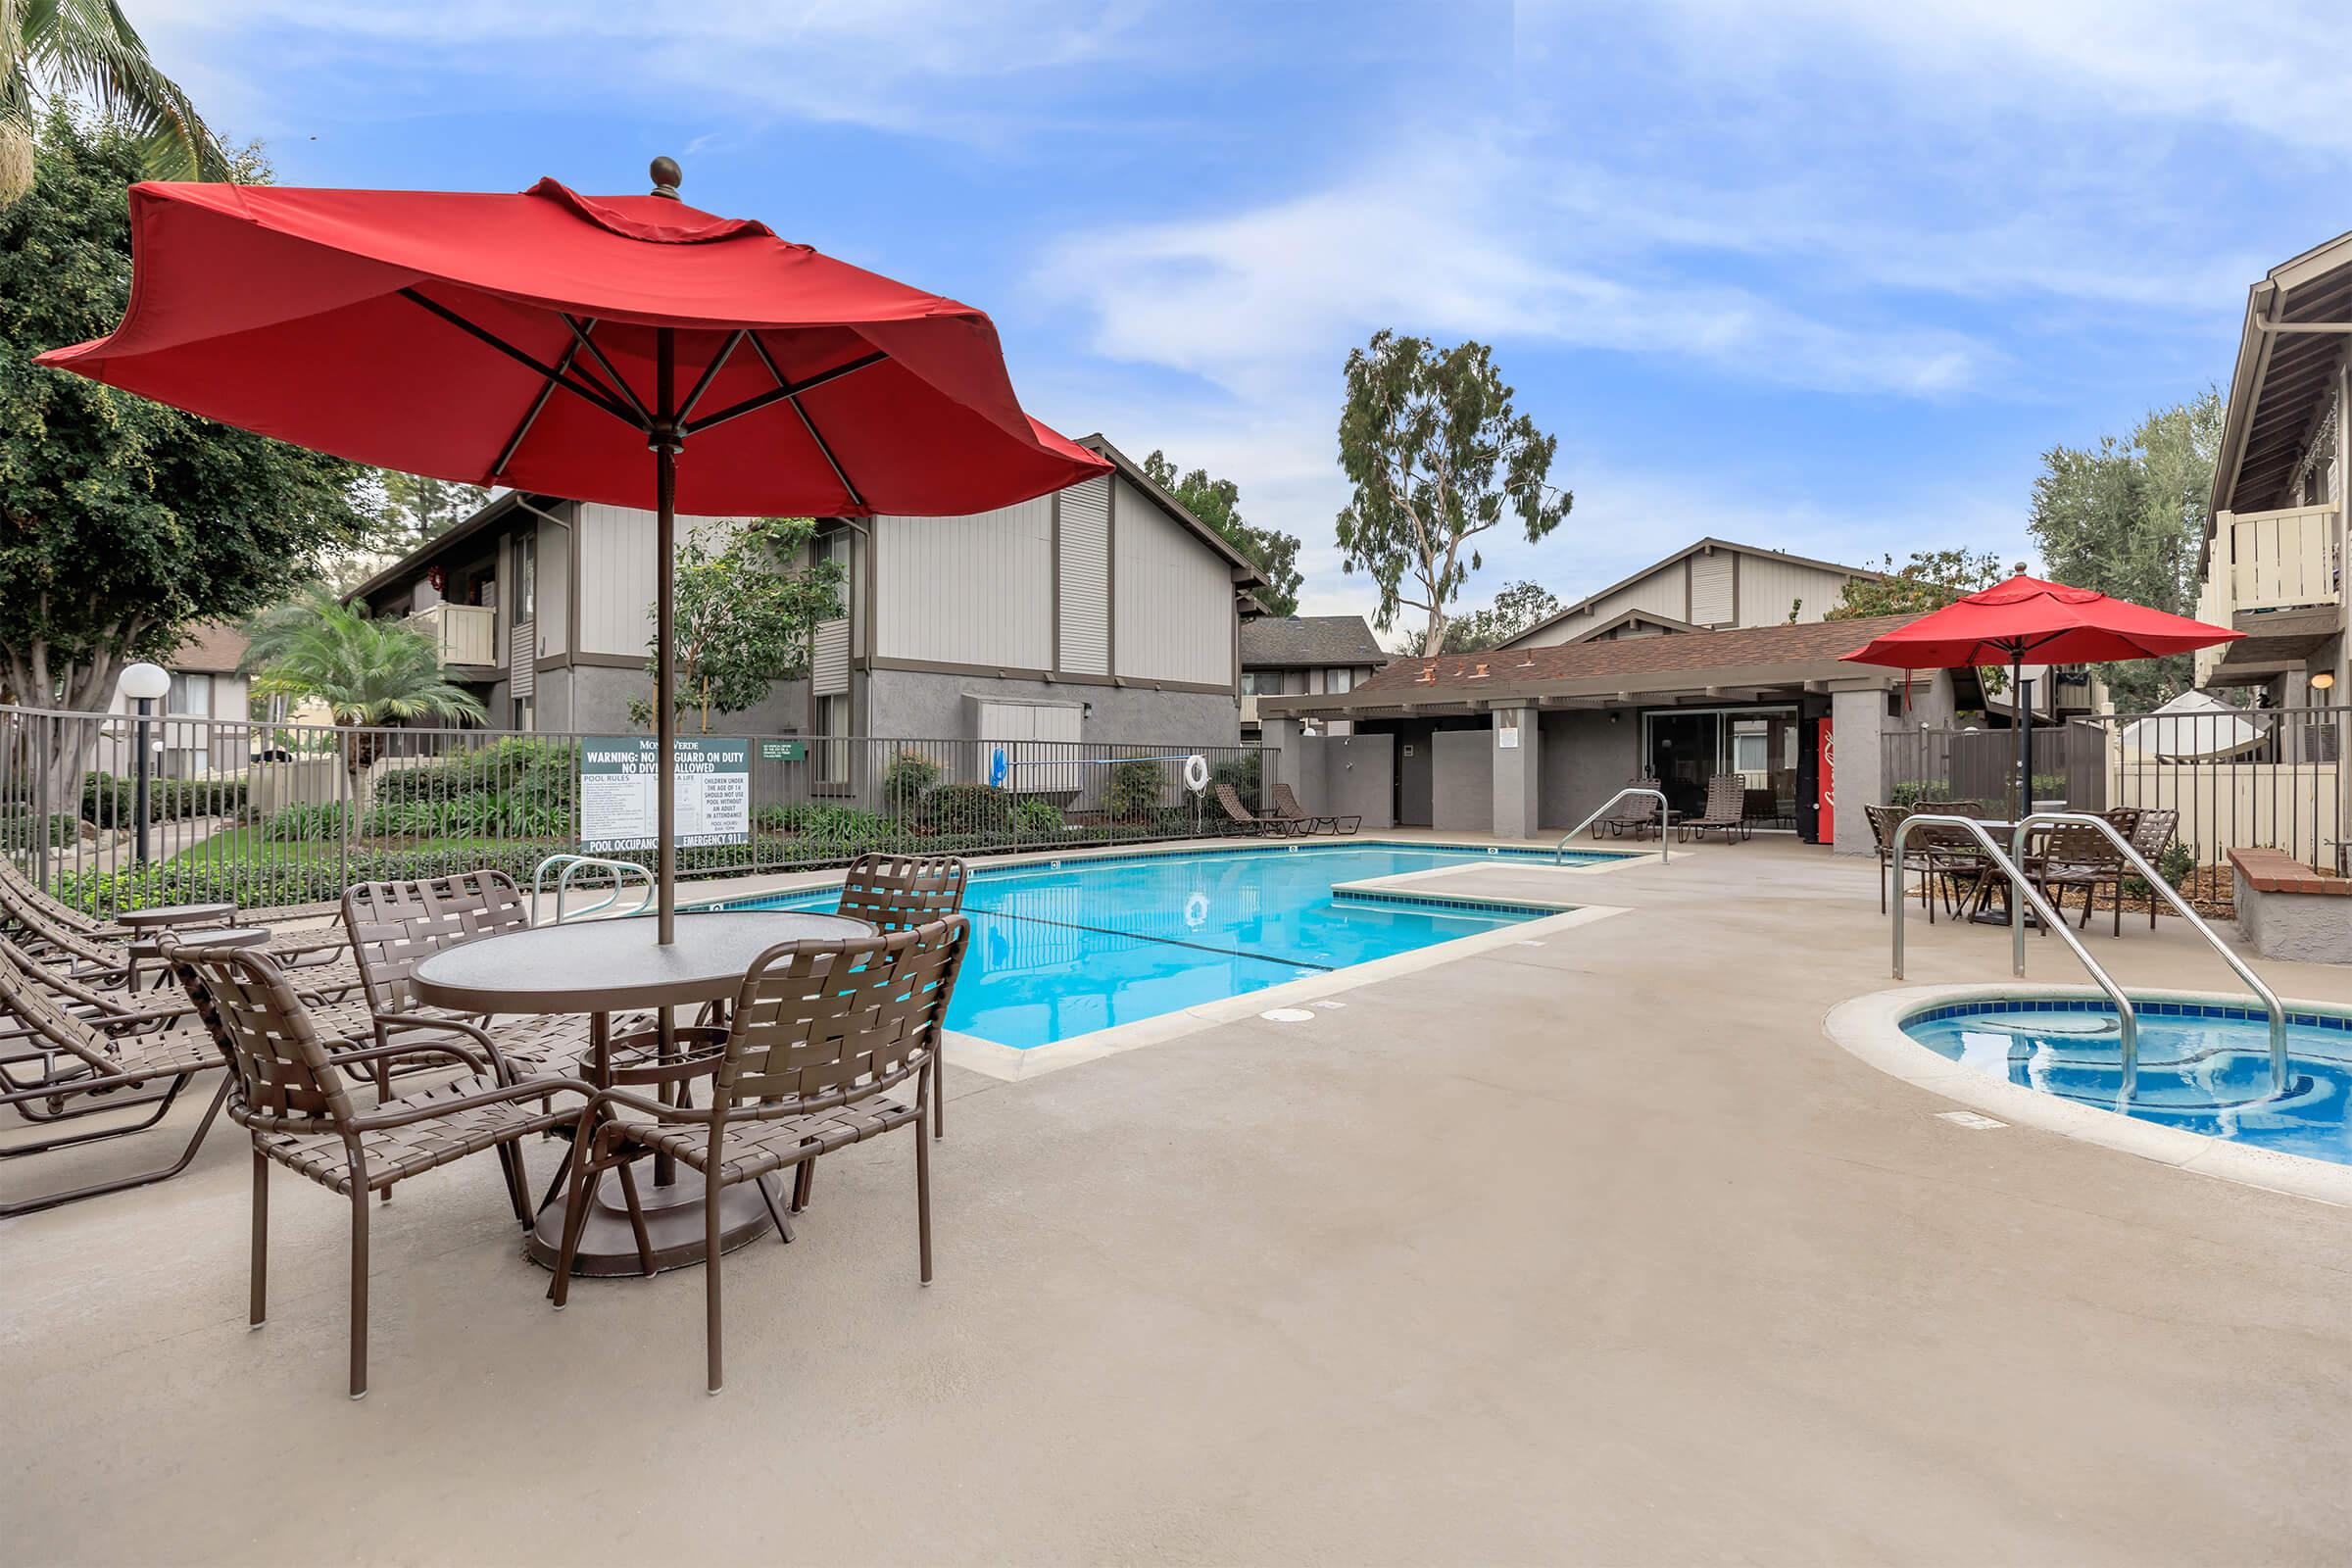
(620, 793)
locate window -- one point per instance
(1339, 680)
(191, 696)
(526, 713)
(1260, 682)
(833, 754)
(526, 577)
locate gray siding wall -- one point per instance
(1586, 760)
(975, 590)
(593, 700)
(917, 704)
(616, 575)
(1086, 578)
(1172, 596)
(829, 657)
(1767, 588)
(1463, 797)
(1345, 775)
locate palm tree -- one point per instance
(88, 50)
(367, 673)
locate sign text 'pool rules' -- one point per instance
(620, 793)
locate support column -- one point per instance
(1518, 772)
(1858, 719)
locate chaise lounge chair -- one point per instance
(1240, 819)
(1637, 819)
(59, 935)
(1726, 812)
(1285, 808)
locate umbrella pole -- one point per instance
(2024, 712)
(665, 708)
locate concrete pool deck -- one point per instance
(1595, 1250)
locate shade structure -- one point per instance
(2049, 622)
(629, 350)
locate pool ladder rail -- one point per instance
(623, 873)
(1665, 822)
(2009, 865)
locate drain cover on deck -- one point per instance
(1968, 1119)
(1287, 1016)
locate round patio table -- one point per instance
(600, 967)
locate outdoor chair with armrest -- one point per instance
(68, 1051)
(2074, 856)
(819, 1035)
(897, 892)
(287, 1089)
(393, 926)
(1286, 809)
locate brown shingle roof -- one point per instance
(1724, 654)
(1293, 642)
(213, 649)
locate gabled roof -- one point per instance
(212, 649)
(1709, 544)
(1635, 617)
(1745, 656)
(1246, 575)
(2282, 378)
(1301, 642)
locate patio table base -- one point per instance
(673, 1224)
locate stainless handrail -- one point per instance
(2026, 892)
(2157, 887)
(573, 864)
(1665, 820)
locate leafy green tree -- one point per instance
(1437, 456)
(409, 508)
(123, 522)
(367, 673)
(1218, 503)
(2128, 518)
(743, 618)
(58, 53)
(1517, 606)
(1930, 581)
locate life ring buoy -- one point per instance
(1196, 772)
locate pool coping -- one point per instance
(1869, 1028)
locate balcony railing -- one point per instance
(2287, 560)
(465, 634)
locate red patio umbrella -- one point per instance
(630, 350)
(2054, 623)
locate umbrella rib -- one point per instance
(808, 425)
(547, 389)
(548, 372)
(711, 371)
(784, 391)
(620, 381)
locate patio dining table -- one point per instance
(600, 967)
(1991, 888)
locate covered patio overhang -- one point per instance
(1500, 691)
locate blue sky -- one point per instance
(1825, 275)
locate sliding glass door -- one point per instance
(1686, 746)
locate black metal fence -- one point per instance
(271, 816)
(2271, 777)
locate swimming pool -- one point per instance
(1066, 948)
(2203, 1067)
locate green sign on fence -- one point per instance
(620, 793)
(783, 751)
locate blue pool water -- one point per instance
(1066, 950)
(2206, 1069)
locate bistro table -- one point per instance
(1992, 886)
(600, 967)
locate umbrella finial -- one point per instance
(666, 178)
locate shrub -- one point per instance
(1242, 773)
(2177, 864)
(966, 809)
(22, 830)
(1132, 790)
(111, 801)
(1035, 818)
(305, 822)
(908, 777)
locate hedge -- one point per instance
(110, 802)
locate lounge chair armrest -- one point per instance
(423, 1048)
(651, 1107)
(389, 1023)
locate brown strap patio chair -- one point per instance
(70, 1051)
(1726, 812)
(394, 926)
(820, 1033)
(288, 1091)
(1287, 810)
(1238, 817)
(1636, 816)
(61, 937)
(2079, 858)
(897, 892)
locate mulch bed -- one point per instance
(2209, 889)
